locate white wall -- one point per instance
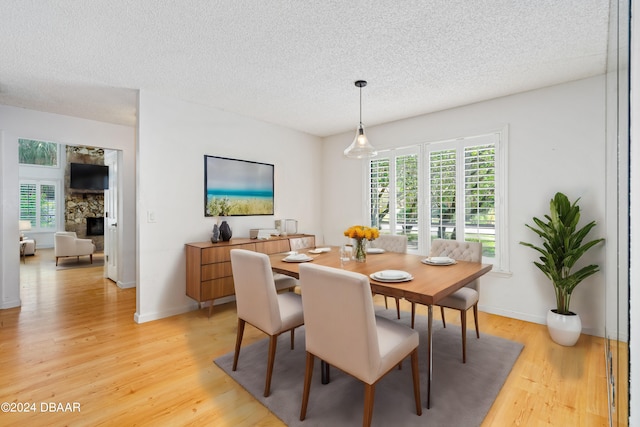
(173, 138)
(556, 143)
(9, 234)
(18, 123)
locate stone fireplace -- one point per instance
(83, 207)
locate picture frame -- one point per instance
(235, 187)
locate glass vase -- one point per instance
(360, 250)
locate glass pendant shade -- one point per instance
(360, 148)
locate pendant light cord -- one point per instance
(360, 106)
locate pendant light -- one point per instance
(360, 147)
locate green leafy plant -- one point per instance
(562, 247)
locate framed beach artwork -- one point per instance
(234, 187)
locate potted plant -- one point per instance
(562, 247)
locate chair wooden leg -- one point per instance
(369, 396)
(239, 335)
(444, 323)
(475, 318)
(91, 258)
(57, 261)
(398, 306)
(463, 323)
(413, 315)
(308, 373)
(273, 343)
(415, 372)
(293, 337)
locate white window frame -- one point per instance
(33, 165)
(39, 183)
(501, 135)
(392, 155)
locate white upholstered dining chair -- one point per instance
(284, 282)
(391, 243)
(341, 329)
(465, 298)
(260, 305)
(298, 243)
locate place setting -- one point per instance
(297, 257)
(391, 276)
(375, 251)
(438, 260)
(319, 250)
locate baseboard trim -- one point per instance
(149, 317)
(541, 320)
(11, 304)
(125, 285)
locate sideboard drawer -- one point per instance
(215, 271)
(221, 254)
(273, 246)
(217, 288)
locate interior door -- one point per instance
(111, 216)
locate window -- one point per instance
(393, 193)
(459, 196)
(462, 191)
(38, 204)
(32, 152)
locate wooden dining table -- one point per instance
(430, 283)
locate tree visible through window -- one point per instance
(38, 204)
(462, 185)
(442, 184)
(457, 197)
(37, 196)
(32, 152)
(393, 194)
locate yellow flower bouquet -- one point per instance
(361, 233)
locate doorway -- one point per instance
(98, 208)
(111, 217)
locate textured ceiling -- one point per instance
(292, 63)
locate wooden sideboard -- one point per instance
(209, 273)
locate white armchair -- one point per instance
(67, 244)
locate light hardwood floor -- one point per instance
(74, 341)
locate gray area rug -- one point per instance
(461, 394)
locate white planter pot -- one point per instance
(564, 329)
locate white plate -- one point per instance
(439, 261)
(319, 250)
(375, 250)
(391, 274)
(406, 278)
(297, 258)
